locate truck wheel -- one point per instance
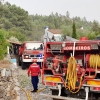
(55, 92)
(19, 60)
(96, 96)
(23, 65)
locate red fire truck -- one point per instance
(72, 68)
(30, 50)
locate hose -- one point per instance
(94, 61)
(41, 89)
(71, 77)
(27, 94)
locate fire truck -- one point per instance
(72, 68)
(28, 51)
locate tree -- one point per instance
(67, 14)
(74, 30)
(15, 33)
(67, 30)
(3, 44)
(91, 35)
(96, 27)
(20, 24)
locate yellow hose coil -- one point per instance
(71, 76)
(94, 61)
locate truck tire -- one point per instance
(19, 60)
(23, 65)
(94, 96)
(55, 92)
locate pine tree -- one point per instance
(74, 30)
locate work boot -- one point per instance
(34, 91)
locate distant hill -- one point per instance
(23, 26)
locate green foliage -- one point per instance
(16, 23)
(13, 33)
(23, 26)
(67, 30)
(96, 26)
(16, 19)
(74, 30)
(3, 44)
(91, 36)
(82, 33)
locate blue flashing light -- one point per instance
(40, 55)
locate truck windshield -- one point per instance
(58, 38)
(34, 46)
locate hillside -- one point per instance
(18, 23)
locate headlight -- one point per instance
(26, 56)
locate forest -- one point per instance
(16, 24)
(19, 24)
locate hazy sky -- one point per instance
(81, 8)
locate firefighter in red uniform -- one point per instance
(34, 71)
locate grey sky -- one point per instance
(81, 8)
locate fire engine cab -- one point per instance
(72, 68)
(30, 50)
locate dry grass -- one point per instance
(5, 63)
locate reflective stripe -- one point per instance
(34, 66)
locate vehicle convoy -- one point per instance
(72, 68)
(28, 51)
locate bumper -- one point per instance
(31, 60)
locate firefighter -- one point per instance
(34, 71)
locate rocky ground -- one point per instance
(16, 85)
(9, 89)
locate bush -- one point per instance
(3, 44)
